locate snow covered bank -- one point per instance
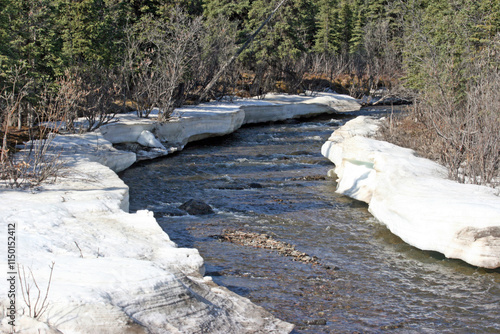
(413, 197)
(221, 118)
(116, 272)
(279, 107)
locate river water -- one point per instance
(271, 179)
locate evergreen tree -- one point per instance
(193, 8)
(441, 42)
(376, 10)
(358, 32)
(289, 33)
(346, 26)
(484, 20)
(32, 38)
(90, 29)
(327, 23)
(6, 51)
(234, 10)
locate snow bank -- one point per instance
(278, 107)
(413, 197)
(221, 118)
(116, 272)
(91, 147)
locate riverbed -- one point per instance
(271, 179)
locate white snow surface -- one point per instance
(221, 118)
(413, 197)
(115, 271)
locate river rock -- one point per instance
(196, 207)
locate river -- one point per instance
(271, 179)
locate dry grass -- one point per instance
(408, 131)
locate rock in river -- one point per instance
(195, 208)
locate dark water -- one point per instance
(271, 179)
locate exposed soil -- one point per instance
(16, 136)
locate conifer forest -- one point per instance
(64, 59)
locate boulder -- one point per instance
(196, 208)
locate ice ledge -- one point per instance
(413, 197)
(218, 119)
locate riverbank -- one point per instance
(118, 272)
(414, 198)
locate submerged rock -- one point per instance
(195, 208)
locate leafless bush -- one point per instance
(86, 92)
(11, 98)
(32, 165)
(101, 88)
(160, 59)
(477, 129)
(59, 106)
(37, 305)
(460, 131)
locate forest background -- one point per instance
(65, 59)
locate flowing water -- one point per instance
(271, 179)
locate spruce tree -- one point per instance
(358, 32)
(376, 10)
(346, 26)
(83, 31)
(7, 10)
(232, 9)
(288, 34)
(326, 36)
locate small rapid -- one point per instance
(271, 179)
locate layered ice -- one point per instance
(114, 272)
(413, 197)
(220, 118)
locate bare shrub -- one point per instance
(406, 129)
(86, 92)
(32, 165)
(479, 128)
(11, 98)
(36, 301)
(101, 88)
(458, 121)
(159, 59)
(58, 105)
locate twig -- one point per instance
(81, 254)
